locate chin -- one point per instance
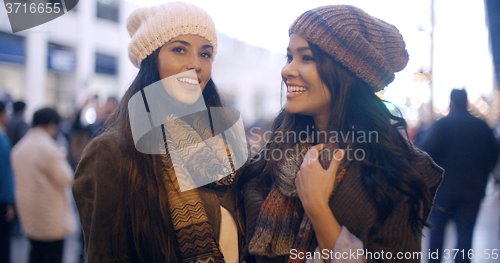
(188, 99)
(291, 110)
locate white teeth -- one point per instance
(188, 80)
(296, 89)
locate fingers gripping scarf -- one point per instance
(282, 224)
(195, 236)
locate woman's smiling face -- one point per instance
(306, 92)
(189, 57)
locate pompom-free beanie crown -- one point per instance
(369, 47)
(152, 27)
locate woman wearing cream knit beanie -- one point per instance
(130, 205)
(369, 194)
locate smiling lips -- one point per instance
(189, 81)
(295, 89)
(191, 84)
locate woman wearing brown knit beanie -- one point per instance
(368, 196)
(157, 185)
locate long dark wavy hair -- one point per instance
(386, 169)
(145, 207)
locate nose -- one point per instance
(289, 71)
(194, 63)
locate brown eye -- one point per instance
(307, 58)
(206, 55)
(179, 50)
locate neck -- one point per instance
(321, 124)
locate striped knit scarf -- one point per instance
(282, 224)
(195, 237)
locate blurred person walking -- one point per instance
(6, 189)
(104, 113)
(17, 127)
(43, 181)
(466, 148)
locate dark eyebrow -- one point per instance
(189, 44)
(182, 42)
(300, 49)
(207, 46)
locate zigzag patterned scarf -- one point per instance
(195, 236)
(282, 224)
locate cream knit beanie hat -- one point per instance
(152, 27)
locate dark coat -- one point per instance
(16, 129)
(467, 150)
(98, 191)
(354, 209)
(6, 176)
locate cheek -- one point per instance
(317, 82)
(327, 97)
(324, 90)
(208, 69)
(206, 74)
(310, 73)
(165, 70)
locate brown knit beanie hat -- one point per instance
(369, 47)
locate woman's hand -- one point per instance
(315, 184)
